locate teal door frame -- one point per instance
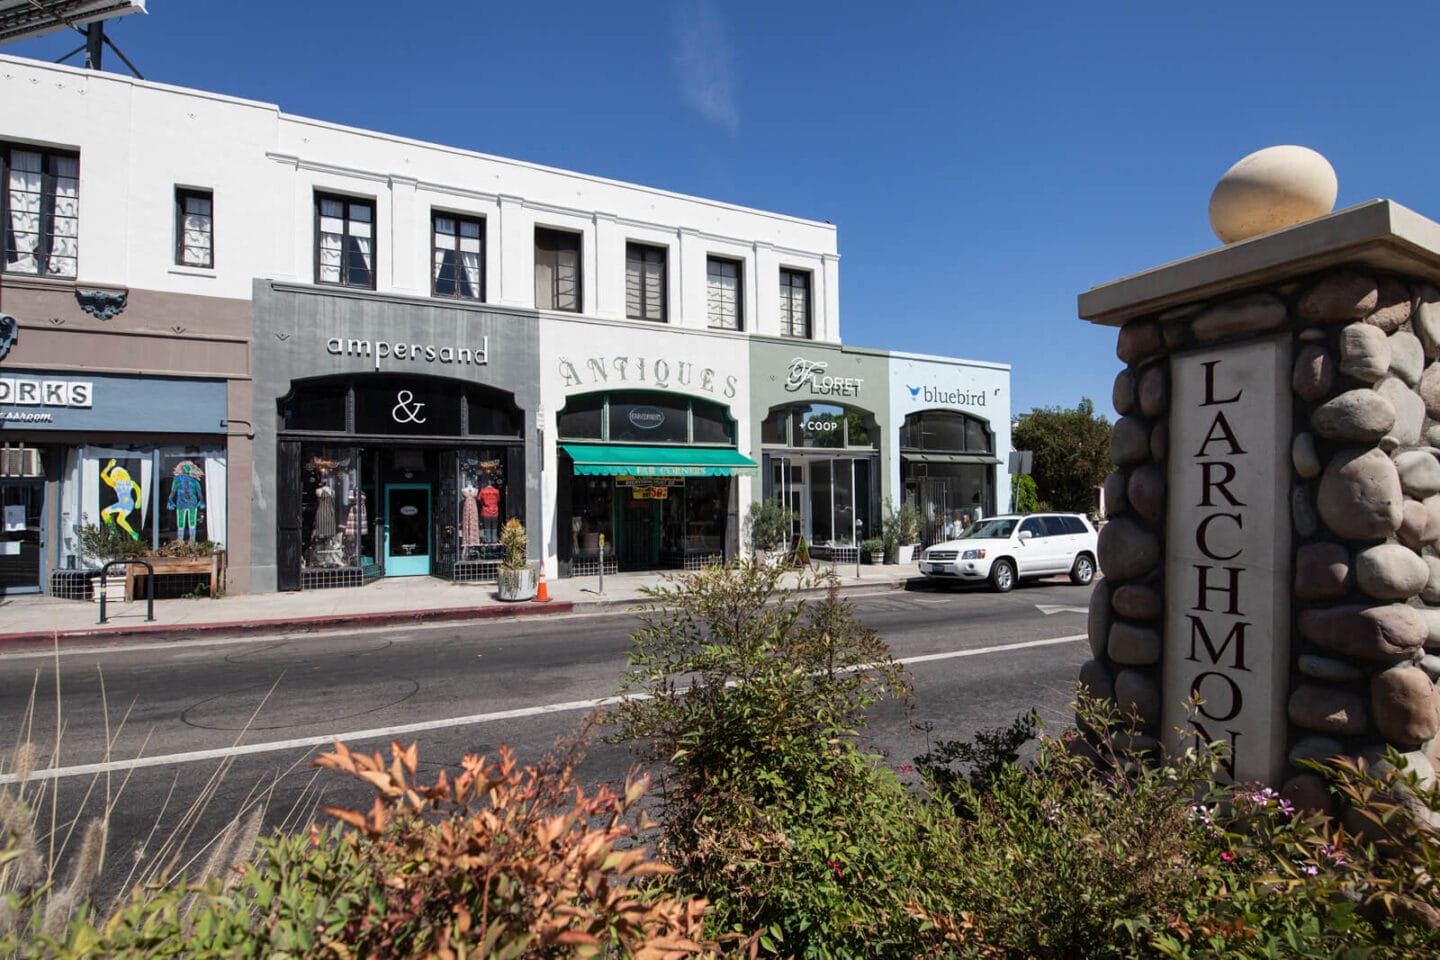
(402, 564)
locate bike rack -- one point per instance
(149, 586)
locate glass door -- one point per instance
(21, 504)
(407, 529)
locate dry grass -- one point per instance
(53, 857)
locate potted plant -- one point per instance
(874, 549)
(770, 526)
(908, 518)
(99, 543)
(516, 577)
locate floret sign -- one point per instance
(1228, 554)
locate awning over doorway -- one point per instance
(950, 457)
(609, 461)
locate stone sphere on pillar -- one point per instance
(1271, 189)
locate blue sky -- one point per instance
(983, 162)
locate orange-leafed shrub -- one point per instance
(505, 861)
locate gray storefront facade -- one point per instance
(822, 421)
(393, 435)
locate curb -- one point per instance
(291, 625)
(599, 606)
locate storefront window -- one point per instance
(590, 499)
(493, 415)
(945, 432)
(649, 419)
(645, 418)
(407, 406)
(583, 418)
(942, 479)
(826, 426)
(483, 507)
(334, 509)
(315, 408)
(152, 494)
(772, 430)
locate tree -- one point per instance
(1072, 452)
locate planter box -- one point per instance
(517, 584)
(907, 553)
(115, 589)
(212, 566)
(875, 556)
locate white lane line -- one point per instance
(378, 733)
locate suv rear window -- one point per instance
(1074, 525)
(1053, 526)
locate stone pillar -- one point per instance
(1274, 513)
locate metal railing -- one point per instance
(149, 586)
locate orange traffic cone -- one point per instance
(541, 594)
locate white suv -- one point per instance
(1006, 549)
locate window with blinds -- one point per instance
(458, 257)
(722, 294)
(557, 270)
(644, 282)
(40, 210)
(194, 228)
(794, 303)
(345, 241)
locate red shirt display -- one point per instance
(489, 499)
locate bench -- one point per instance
(212, 566)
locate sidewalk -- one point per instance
(30, 620)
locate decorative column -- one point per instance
(1274, 513)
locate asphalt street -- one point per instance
(154, 726)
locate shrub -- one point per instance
(99, 543)
(770, 524)
(752, 696)
(500, 861)
(978, 763)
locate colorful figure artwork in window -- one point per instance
(187, 499)
(127, 498)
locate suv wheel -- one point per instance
(1083, 571)
(1002, 576)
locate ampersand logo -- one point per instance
(407, 408)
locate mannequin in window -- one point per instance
(489, 498)
(324, 510)
(469, 519)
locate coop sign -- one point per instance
(1227, 555)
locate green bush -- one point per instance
(771, 523)
(753, 696)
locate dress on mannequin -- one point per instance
(324, 511)
(469, 518)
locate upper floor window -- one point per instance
(194, 228)
(40, 209)
(459, 257)
(722, 294)
(644, 282)
(794, 303)
(557, 270)
(344, 241)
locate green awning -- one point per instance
(950, 457)
(605, 460)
